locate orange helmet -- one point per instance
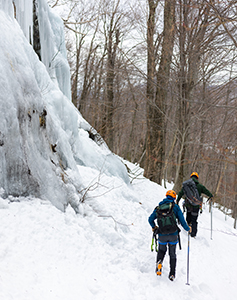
(194, 174)
(171, 193)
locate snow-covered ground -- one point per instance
(104, 251)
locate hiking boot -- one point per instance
(159, 268)
(171, 277)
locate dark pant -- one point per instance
(171, 241)
(191, 219)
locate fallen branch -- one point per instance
(116, 222)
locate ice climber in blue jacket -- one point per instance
(171, 238)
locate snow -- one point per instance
(104, 251)
(74, 223)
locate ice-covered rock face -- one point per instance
(28, 165)
(51, 38)
(43, 138)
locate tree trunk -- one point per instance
(79, 43)
(235, 184)
(111, 56)
(150, 92)
(155, 148)
(90, 72)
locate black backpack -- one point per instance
(191, 192)
(166, 218)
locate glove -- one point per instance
(154, 229)
(209, 199)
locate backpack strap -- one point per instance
(171, 206)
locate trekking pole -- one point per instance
(188, 259)
(210, 198)
(211, 218)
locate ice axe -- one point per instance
(154, 240)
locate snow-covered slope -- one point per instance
(43, 138)
(103, 253)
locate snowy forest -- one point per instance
(157, 80)
(106, 106)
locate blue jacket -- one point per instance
(177, 211)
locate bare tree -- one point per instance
(157, 90)
(163, 79)
(151, 150)
(112, 35)
(180, 114)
